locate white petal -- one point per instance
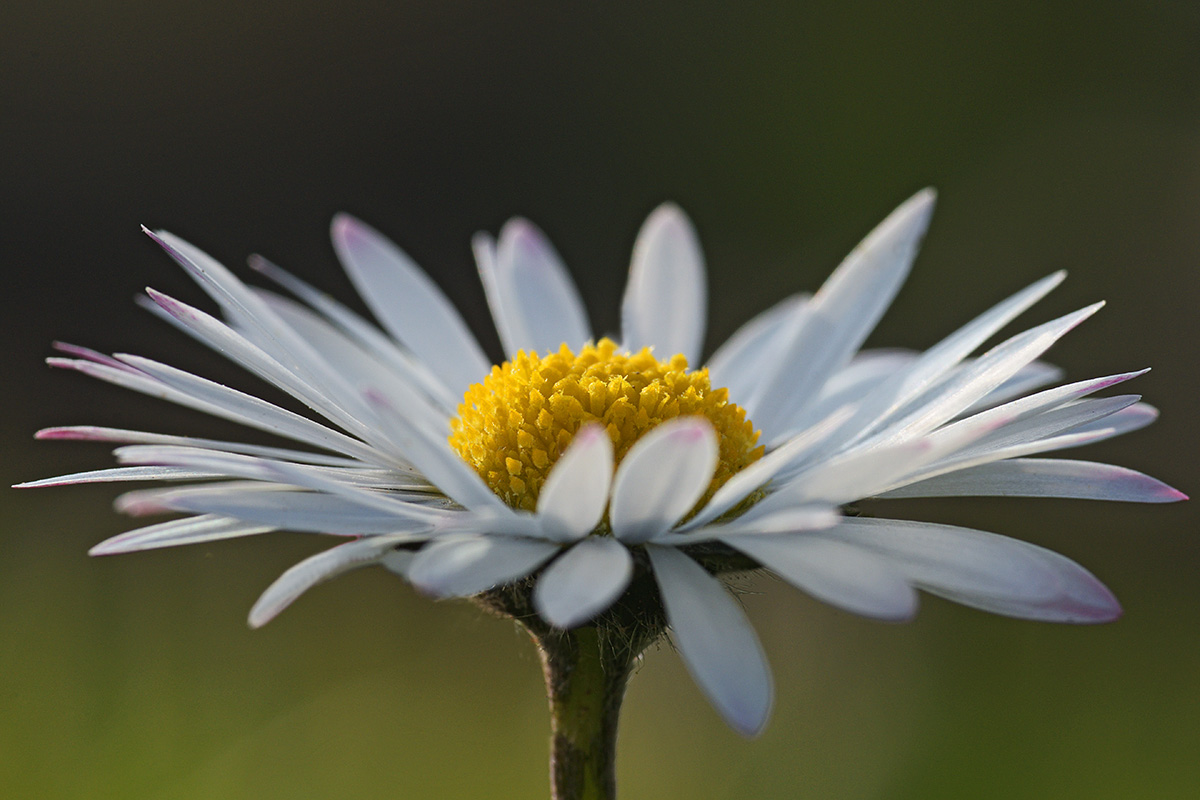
(984, 570)
(160, 380)
(907, 384)
(740, 362)
(1044, 425)
(583, 581)
(409, 304)
(575, 494)
(833, 571)
(1037, 405)
(291, 510)
(662, 477)
(1029, 377)
(843, 312)
(665, 302)
(190, 530)
(431, 453)
(715, 640)
(853, 476)
(364, 371)
(533, 299)
(333, 399)
(95, 433)
(981, 377)
(862, 381)
(314, 570)
(363, 332)
(269, 335)
(463, 566)
(740, 485)
(1045, 477)
(114, 474)
(793, 519)
(308, 478)
(1136, 417)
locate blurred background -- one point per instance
(1060, 135)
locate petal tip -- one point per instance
(347, 229)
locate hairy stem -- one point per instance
(585, 683)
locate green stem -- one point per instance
(585, 683)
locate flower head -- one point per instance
(581, 467)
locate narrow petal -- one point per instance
(1037, 405)
(843, 312)
(583, 581)
(260, 327)
(363, 332)
(168, 383)
(665, 303)
(575, 494)
(662, 477)
(739, 363)
(1046, 477)
(363, 370)
(190, 530)
(835, 572)
(984, 570)
(1066, 417)
(944, 402)
(793, 519)
(463, 566)
(1032, 376)
(291, 510)
(95, 433)
(408, 304)
(905, 385)
(533, 299)
(853, 476)
(114, 474)
(1127, 420)
(334, 400)
(430, 453)
(715, 640)
(314, 570)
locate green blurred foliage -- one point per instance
(1059, 134)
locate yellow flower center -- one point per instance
(514, 425)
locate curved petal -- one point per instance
(575, 494)
(665, 303)
(715, 640)
(463, 566)
(316, 569)
(583, 581)
(189, 530)
(835, 572)
(984, 570)
(662, 477)
(409, 304)
(533, 299)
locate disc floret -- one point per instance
(513, 426)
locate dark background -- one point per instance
(1059, 135)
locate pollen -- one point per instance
(513, 426)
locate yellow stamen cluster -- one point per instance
(514, 425)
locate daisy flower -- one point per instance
(608, 483)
